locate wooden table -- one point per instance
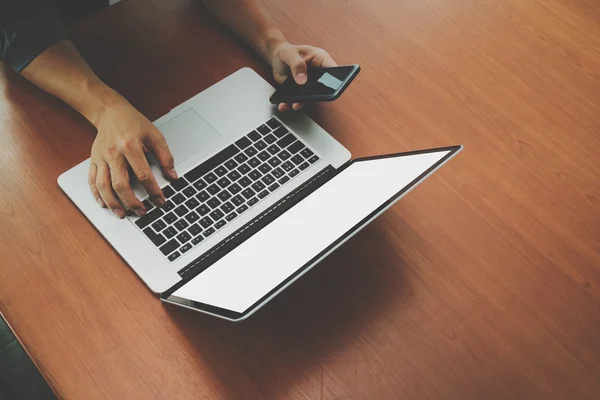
(483, 283)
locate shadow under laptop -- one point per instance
(318, 319)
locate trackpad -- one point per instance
(187, 134)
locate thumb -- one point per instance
(297, 65)
(161, 150)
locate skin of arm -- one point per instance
(124, 134)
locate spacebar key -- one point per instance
(211, 163)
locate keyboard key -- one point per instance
(203, 210)
(210, 177)
(274, 187)
(268, 179)
(293, 173)
(214, 203)
(254, 162)
(184, 237)
(200, 184)
(240, 158)
(149, 218)
(192, 217)
(221, 170)
(181, 225)
(263, 156)
(178, 198)
(280, 132)
(189, 191)
(273, 162)
(181, 210)
(195, 230)
(283, 180)
(159, 225)
(174, 256)
(250, 151)
(263, 129)
(313, 159)
(273, 149)
(209, 232)
(179, 183)
(169, 232)
(241, 209)
(216, 214)
(211, 163)
(273, 123)
(231, 164)
(203, 196)
(287, 166)
(260, 145)
(231, 217)
(253, 135)
(192, 203)
(243, 143)
(284, 155)
(169, 247)
(147, 205)
(270, 139)
(278, 172)
(185, 248)
(156, 238)
(303, 166)
(264, 168)
(170, 218)
(263, 194)
(252, 201)
(220, 224)
(224, 182)
(213, 189)
(206, 222)
(244, 169)
(234, 175)
(247, 193)
(297, 159)
(286, 141)
(254, 174)
(245, 181)
(237, 200)
(306, 153)
(224, 195)
(168, 206)
(168, 191)
(258, 186)
(295, 147)
(235, 188)
(227, 207)
(197, 239)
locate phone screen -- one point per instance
(321, 81)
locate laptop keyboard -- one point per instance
(228, 184)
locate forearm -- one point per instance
(251, 20)
(61, 71)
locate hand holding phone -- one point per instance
(323, 84)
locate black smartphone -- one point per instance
(323, 84)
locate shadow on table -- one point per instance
(278, 347)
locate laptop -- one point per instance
(262, 197)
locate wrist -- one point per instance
(271, 44)
(99, 97)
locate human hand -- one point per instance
(295, 59)
(124, 136)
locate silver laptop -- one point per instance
(262, 197)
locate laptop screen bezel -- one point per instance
(236, 316)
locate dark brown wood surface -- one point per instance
(483, 283)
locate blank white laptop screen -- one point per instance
(257, 266)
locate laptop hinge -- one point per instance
(252, 227)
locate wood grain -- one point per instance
(484, 283)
